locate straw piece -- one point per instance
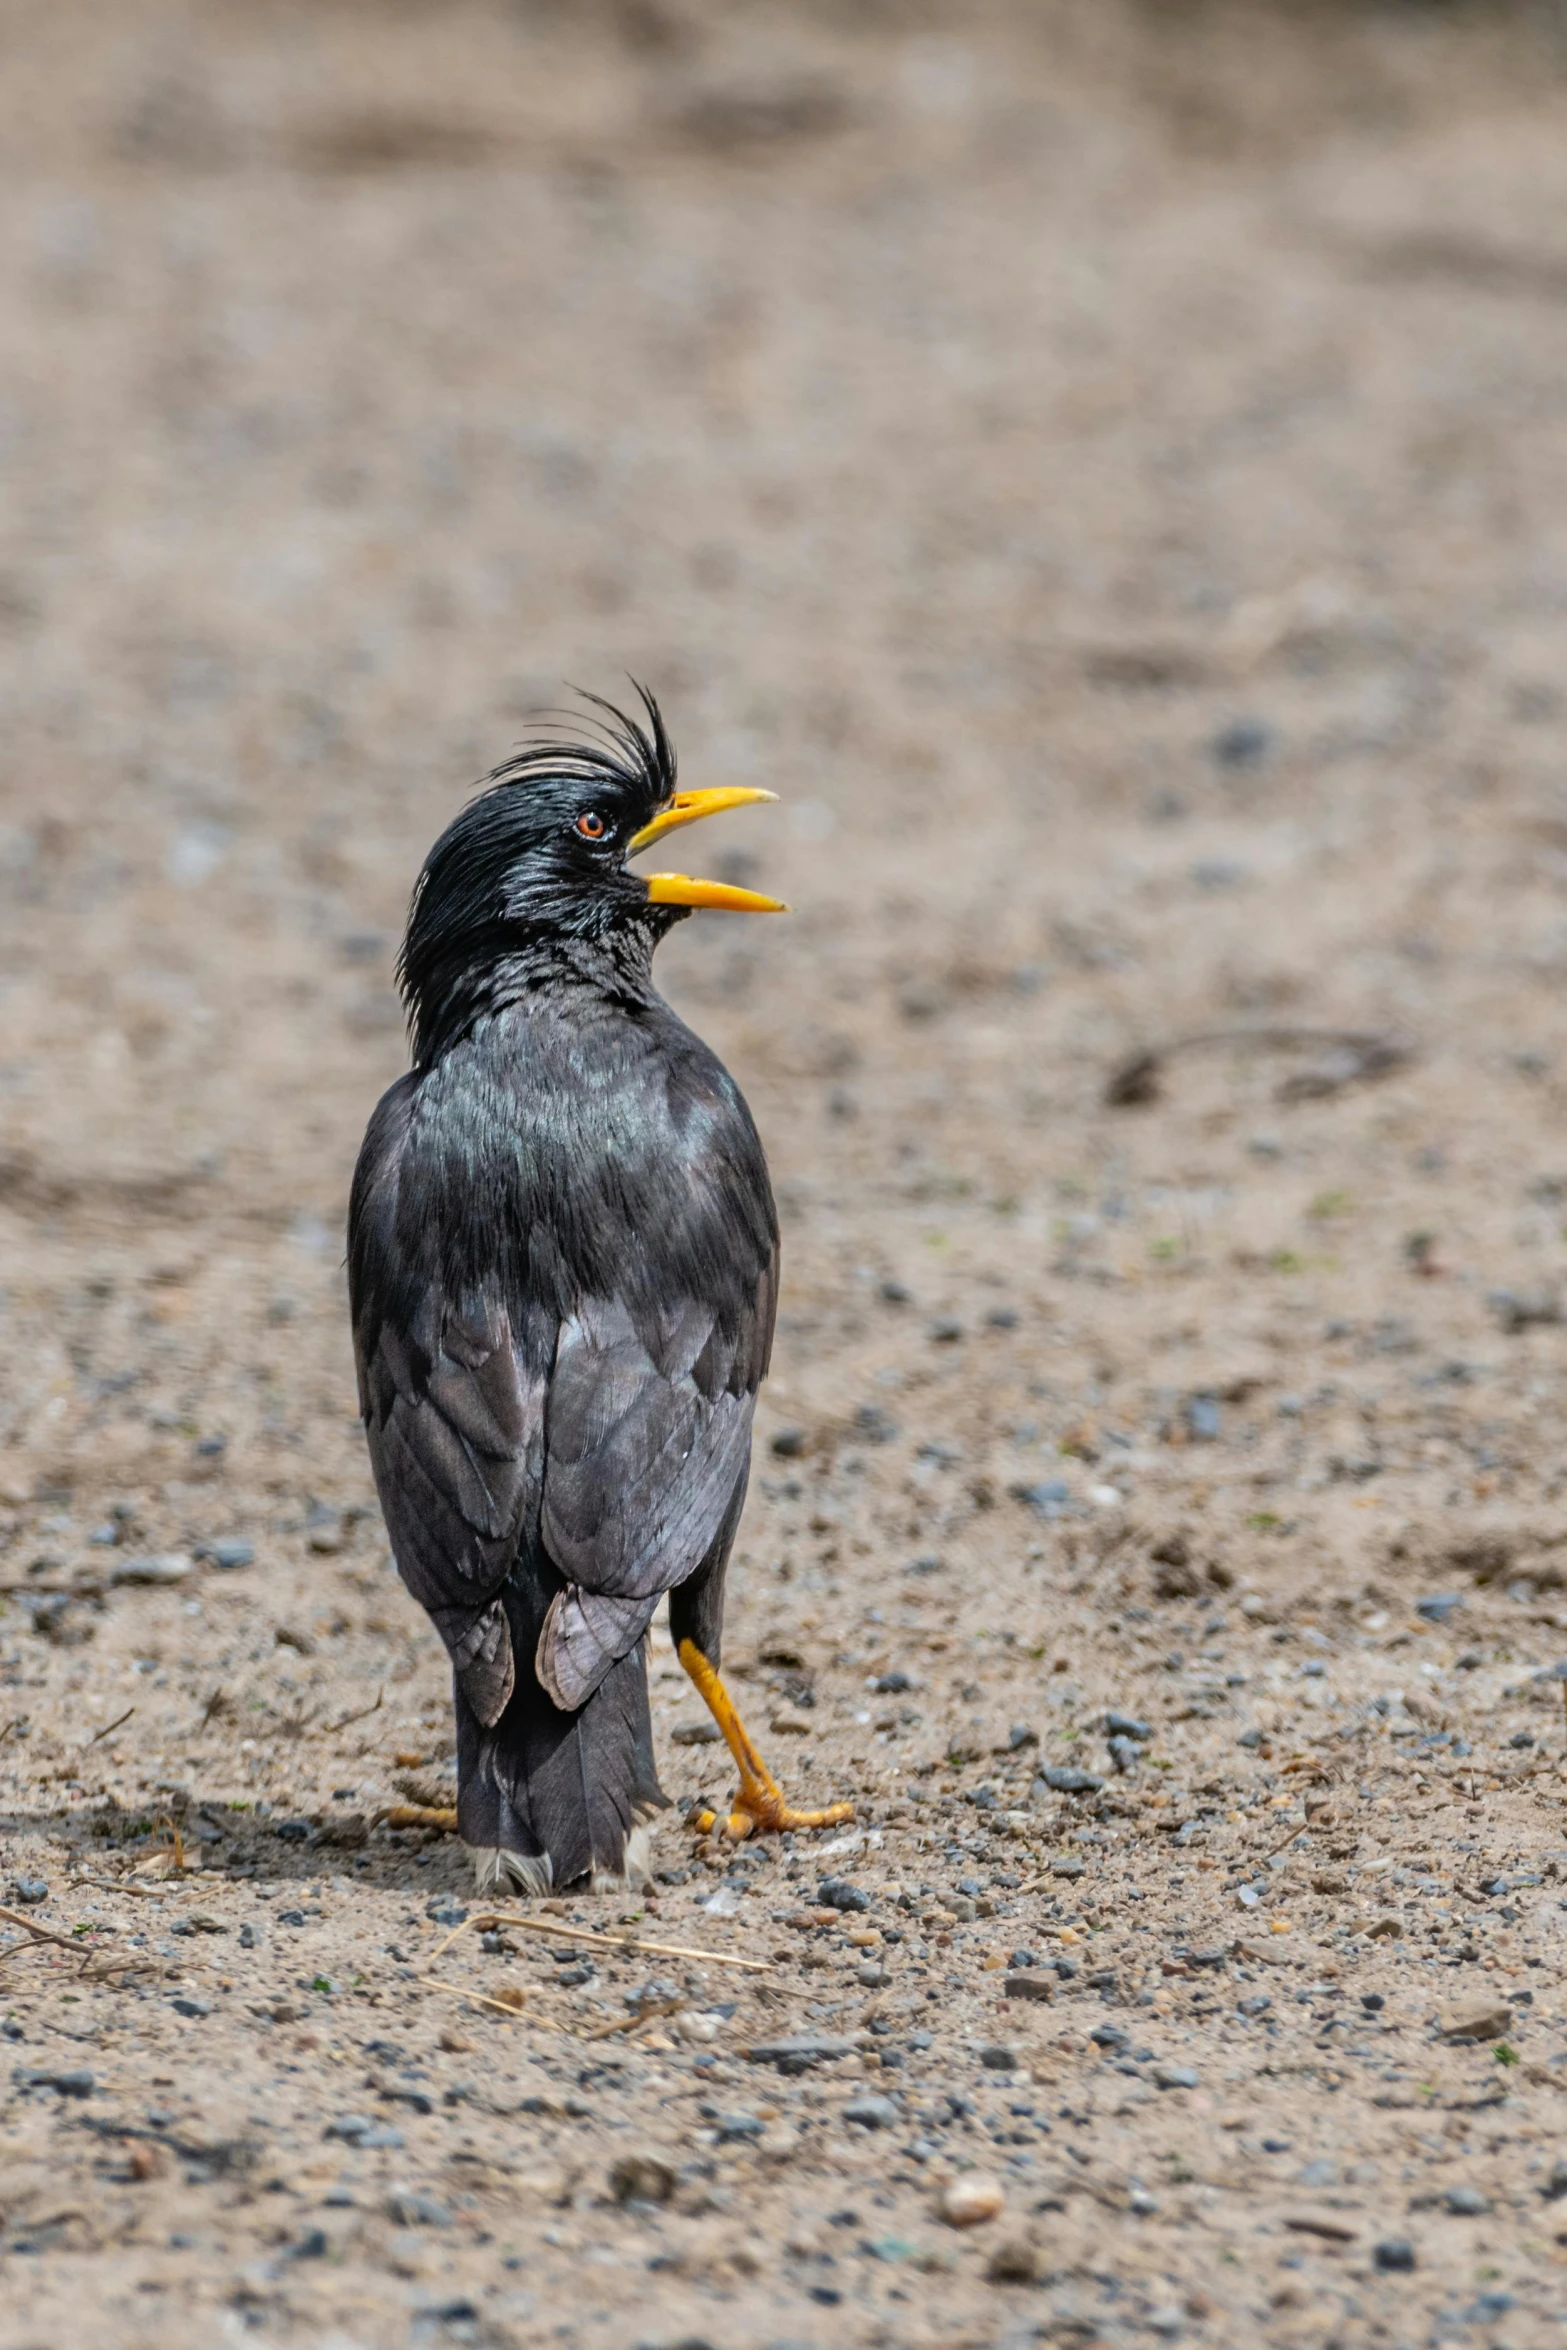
(14, 1917)
(482, 1998)
(618, 1943)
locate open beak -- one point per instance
(689, 807)
(678, 889)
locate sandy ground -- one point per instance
(1108, 473)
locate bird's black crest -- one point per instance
(466, 909)
(632, 755)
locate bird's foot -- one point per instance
(762, 1811)
(759, 1807)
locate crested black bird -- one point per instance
(563, 1270)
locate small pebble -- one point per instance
(230, 1553)
(1065, 1779)
(1243, 743)
(417, 2211)
(30, 1891)
(1466, 2202)
(1015, 2261)
(838, 1893)
(789, 1443)
(1203, 1422)
(739, 2129)
(171, 1567)
(998, 2059)
(1395, 2253)
(1050, 1498)
(872, 2113)
(641, 2178)
(67, 2084)
(1175, 2076)
(971, 2200)
(704, 1733)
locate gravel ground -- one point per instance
(1110, 478)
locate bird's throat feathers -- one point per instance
(480, 973)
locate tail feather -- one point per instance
(546, 1797)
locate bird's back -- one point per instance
(563, 1270)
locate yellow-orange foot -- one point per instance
(763, 1811)
(759, 1807)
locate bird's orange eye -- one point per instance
(592, 825)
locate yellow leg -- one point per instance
(760, 1802)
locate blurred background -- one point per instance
(1104, 466)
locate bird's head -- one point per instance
(541, 856)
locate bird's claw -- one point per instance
(763, 1811)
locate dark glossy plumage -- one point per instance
(563, 1264)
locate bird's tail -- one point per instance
(546, 1797)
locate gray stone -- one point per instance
(799, 2051)
(641, 2178)
(228, 1553)
(871, 2113)
(417, 2211)
(171, 1567)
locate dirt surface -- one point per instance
(1109, 476)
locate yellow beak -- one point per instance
(678, 889)
(689, 807)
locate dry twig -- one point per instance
(109, 1728)
(500, 2006)
(363, 1714)
(14, 1917)
(483, 1920)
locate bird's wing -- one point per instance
(452, 1393)
(611, 1425)
(648, 1437)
